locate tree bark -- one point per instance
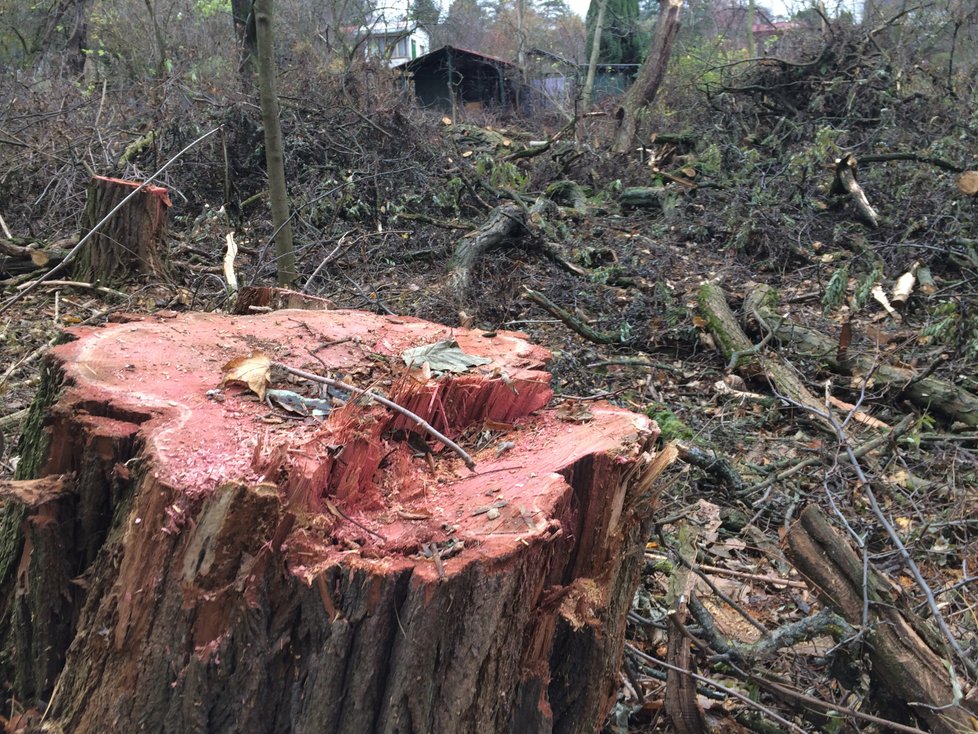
(507, 221)
(255, 299)
(274, 158)
(131, 243)
(210, 567)
(592, 62)
(903, 663)
(748, 358)
(926, 392)
(650, 76)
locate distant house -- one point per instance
(452, 78)
(396, 43)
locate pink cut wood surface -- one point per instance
(365, 477)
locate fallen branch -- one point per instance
(680, 704)
(732, 341)
(574, 323)
(845, 181)
(928, 393)
(825, 622)
(714, 464)
(914, 157)
(80, 284)
(506, 221)
(903, 663)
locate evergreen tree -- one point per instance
(552, 10)
(426, 13)
(622, 38)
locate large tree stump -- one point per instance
(217, 566)
(131, 242)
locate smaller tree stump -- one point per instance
(129, 244)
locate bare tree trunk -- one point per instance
(592, 63)
(244, 30)
(751, 16)
(160, 41)
(643, 91)
(274, 159)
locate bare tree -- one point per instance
(274, 159)
(592, 63)
(646, 85)
(243, 18)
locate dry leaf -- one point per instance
(254, 371)
(968, 183)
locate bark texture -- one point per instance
(215, 567)
(131, 243)
(903, 662)
(274, 156)
(650, 76)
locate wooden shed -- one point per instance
(455, 78)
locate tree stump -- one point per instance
(203, 561)
(131, 242)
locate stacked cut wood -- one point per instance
(195, 559)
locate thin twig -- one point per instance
(78, 284)
(422, 423)
(719, 686)
(891, 532)
(899, 429)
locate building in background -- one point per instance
(397, 42)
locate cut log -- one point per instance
(747, 358)
(131, 242)
(18, 258)
(845, 182)
(223, 567)
(925, 391)
(903, 663)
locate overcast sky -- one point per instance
(778, 7)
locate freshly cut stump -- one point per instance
(129, 244)
(217, 564)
